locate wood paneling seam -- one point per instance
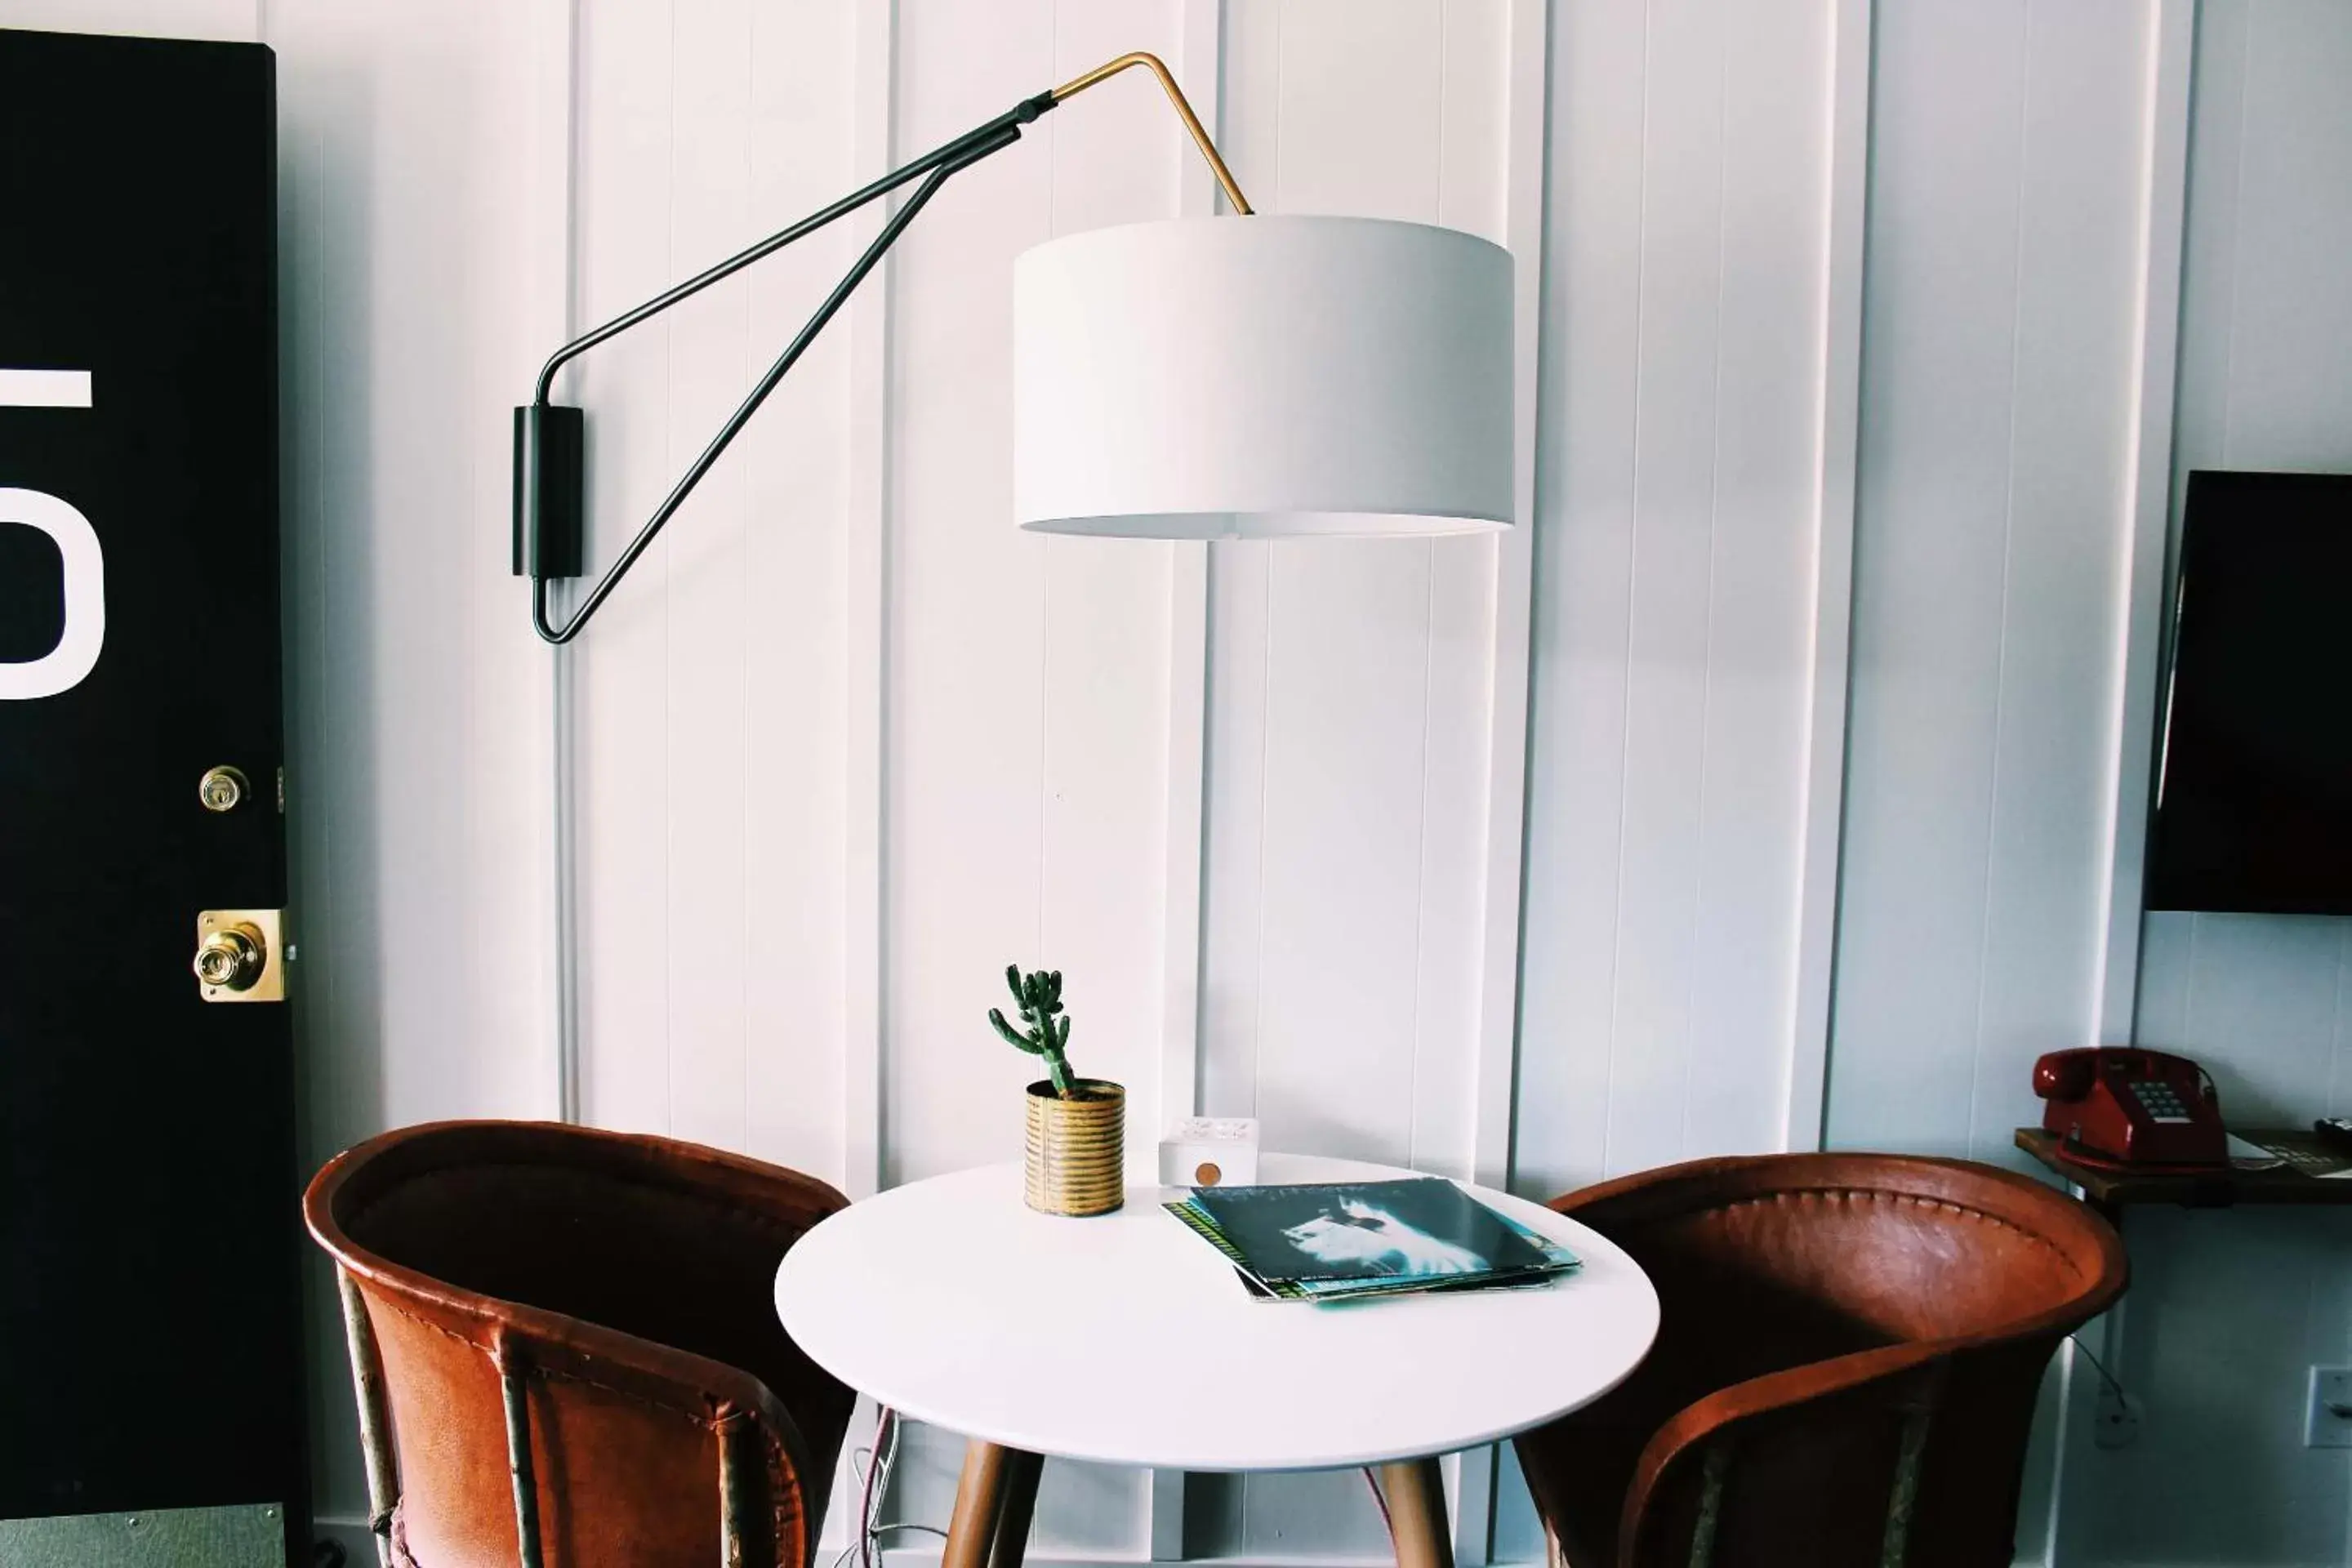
(1823, 791)
(1528, 148)
(866, 559)
(2146, 511)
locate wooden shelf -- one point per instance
(2224, 1186)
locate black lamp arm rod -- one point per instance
(549, 445)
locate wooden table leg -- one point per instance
(1020, 1472)
(994, 1499)
(1415, 1489)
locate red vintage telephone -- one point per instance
(2131, 1107)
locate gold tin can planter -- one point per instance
(1076, 1161)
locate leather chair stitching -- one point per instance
(1875, 1195)
(760, 1219)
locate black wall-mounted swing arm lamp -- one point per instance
(549, 449)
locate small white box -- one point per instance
(1210, 1152)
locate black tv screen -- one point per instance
(2253, 806)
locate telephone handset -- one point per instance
(2132, 1107)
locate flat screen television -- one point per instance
(2254, 806)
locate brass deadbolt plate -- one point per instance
(240, 956)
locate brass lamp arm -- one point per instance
(1152, 62)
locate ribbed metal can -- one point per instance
(1077, 1160)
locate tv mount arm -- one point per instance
(549, 445)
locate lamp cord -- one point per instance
(1381, 1501)
(2101, 1367)
(872, 1466)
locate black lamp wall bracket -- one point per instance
(550, 438)
(550, 449)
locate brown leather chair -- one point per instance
(1848, 1352)
(567, 1353)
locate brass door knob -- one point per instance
(233, 957)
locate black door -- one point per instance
(150, 1327)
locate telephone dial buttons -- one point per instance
(2161, 1102)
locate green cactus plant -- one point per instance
(1040, 997)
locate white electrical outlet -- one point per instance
(2115, 1422)
(2327, 1416)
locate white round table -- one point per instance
(1126, 1340)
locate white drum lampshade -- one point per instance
(1262, 377)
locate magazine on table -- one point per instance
(1342, 1241)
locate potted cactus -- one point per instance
(1076, 1150)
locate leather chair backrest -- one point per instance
(1786, 1283)
(1821, 1256)
(630, 1280)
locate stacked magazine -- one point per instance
(1347, 1241)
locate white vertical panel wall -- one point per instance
(1677, 522)
(1997, 358)
(745, 866)
(708, 706)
